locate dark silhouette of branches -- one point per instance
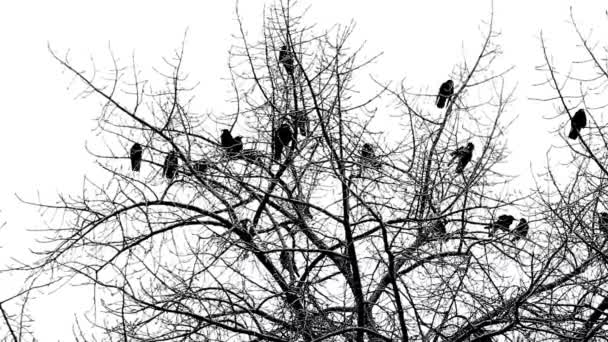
(311, 213)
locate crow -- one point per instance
(521, 230)
(282, 137)
(170, 166)
(445, 92)
(286, 59)
(237, 148)
(368, 157)
(579, 121)
(136, 154)
(232, 146)
(464, 155)
(226, 139)
(503, 223)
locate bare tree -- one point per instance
(315, 225)
(568, 299)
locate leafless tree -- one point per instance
(568, 297)
(319, 243)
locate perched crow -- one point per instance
(579, 121)
(282, 137)
(226, 139)
(445, 92)
(286, 59)
(604, 222)
(464, 155)
(232, 146)
(136, 154)
(170, 166)
(237, 148)
(521, 230)
(368, 157)
(503, 223)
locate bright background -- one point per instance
(44, 129)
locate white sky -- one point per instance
(43, 130)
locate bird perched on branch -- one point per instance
(237, 148)
(286, 59)
(282, 137)
(464, 155)
(503, 223)
(579, 121)
(136, 154)
(368, 157)
(232, 146)
(170, 165)
(521, 230)
(445, 92)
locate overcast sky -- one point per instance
(44, 129)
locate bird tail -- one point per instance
(573, 133)
(289, 68)
(440, 101)
(278, 150)
(459, 168)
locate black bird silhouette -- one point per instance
(136, 154)
(232, 146)
(282, 137)
(170, 165)
(226, 139)
(237, 148)
(503, 223)
(604, 222)
(521, 230)
(579, 121)
(464, 155)
(286, 59)
(368, 156)
(445, 92)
